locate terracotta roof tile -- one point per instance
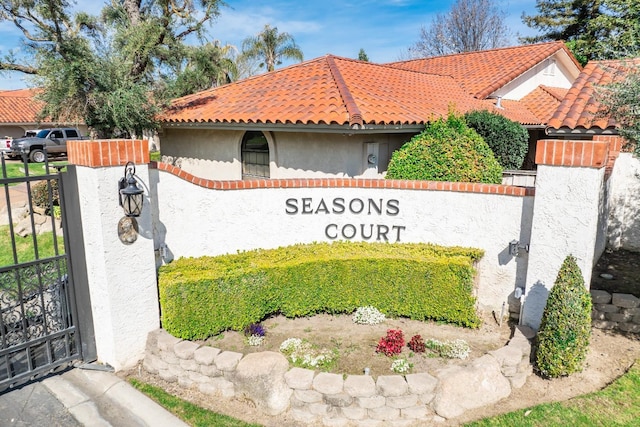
(580, 108)
(482, 73)
(19, 106)
(334, 90)
(544, 101)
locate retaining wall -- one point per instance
(615, 311)
(329, 399)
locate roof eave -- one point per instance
(564, 131)
(300, 127)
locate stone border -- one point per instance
(327, 399)
(615, 311)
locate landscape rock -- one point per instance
(463, 388)
(260, 378)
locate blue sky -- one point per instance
(384, 29)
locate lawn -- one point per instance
(186, 411)
(16, 169)
(616, 405)
(25, 248)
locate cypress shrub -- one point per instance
(508, 140)
(447, 150)
(565, 329)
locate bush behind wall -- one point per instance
(201, 297)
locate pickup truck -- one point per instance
(46, 142)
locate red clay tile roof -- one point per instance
(19, 106)
(482, 73)
(334, 91)
(579, 108)
(544, 101)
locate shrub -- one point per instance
(40, 195)
(508, 140)
(392, 343)
(565, 328)
(447, 150)
(201, 297)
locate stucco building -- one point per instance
(338, 117)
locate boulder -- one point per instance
(260, 378)
(468, 387)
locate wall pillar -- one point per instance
(569, 216)
(122, 276)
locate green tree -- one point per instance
(469, 26)
(362, 55)
(621, 101)
(271, 47)
(621, 24)
(565, 329)
(447, 150)
(593, 29)
(109, 71)
(508, 140)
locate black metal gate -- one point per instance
(39, 331)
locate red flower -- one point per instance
(392, 343)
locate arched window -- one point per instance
(255, 155)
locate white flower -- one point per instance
(255, 340)
(459, 349)
(290, 344)
(302, 353)
(456, 349)
(401, 366)
(368, 315)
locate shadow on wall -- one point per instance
(623, 229)
(538, 293)
(163, 254)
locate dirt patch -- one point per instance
(618, 271)
(355, 345)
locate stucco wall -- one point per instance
(292, 154)
(194, 221)
(122, 286)
(624, 217)
(566, 222)
(546, 73)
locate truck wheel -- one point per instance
(37, 156)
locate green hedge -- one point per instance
(201, 297)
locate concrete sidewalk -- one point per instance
(18, 197)
(82, 397)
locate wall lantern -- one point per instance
(130, 195)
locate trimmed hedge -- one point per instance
(201, 297)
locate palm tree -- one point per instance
(271, 47)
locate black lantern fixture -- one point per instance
(130, 195)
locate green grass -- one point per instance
(24, 246)
(15, 170)
(616, 405)
(188, 412)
